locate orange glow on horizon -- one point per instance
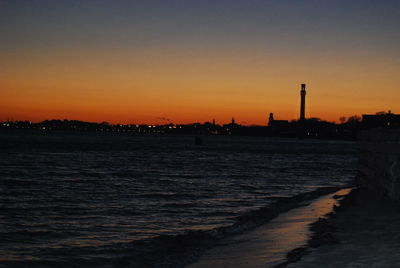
(192, 61)
(185, 87)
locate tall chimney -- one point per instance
(303, 102)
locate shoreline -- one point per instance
(268, 245)
(322, 230)
(186, 249)
(363, 232)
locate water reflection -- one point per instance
(267, 246)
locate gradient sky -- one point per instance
(186, 61)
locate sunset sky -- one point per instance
(192, 61)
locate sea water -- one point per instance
(90, 199)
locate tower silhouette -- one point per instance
(271, 119)
(303, 102)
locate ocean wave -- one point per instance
(180, 250)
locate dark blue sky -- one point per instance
(294, 24)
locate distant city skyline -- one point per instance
(156, 62)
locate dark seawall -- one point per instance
(379, 161)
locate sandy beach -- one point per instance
(268, 245)
(363, 230)
(367, 234)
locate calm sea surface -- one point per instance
(71, 199)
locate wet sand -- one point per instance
(268, 245)
(368, 235)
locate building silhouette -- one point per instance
(381, 119)
(276, 123)
(303, 102)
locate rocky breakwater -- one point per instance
(379, 161)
